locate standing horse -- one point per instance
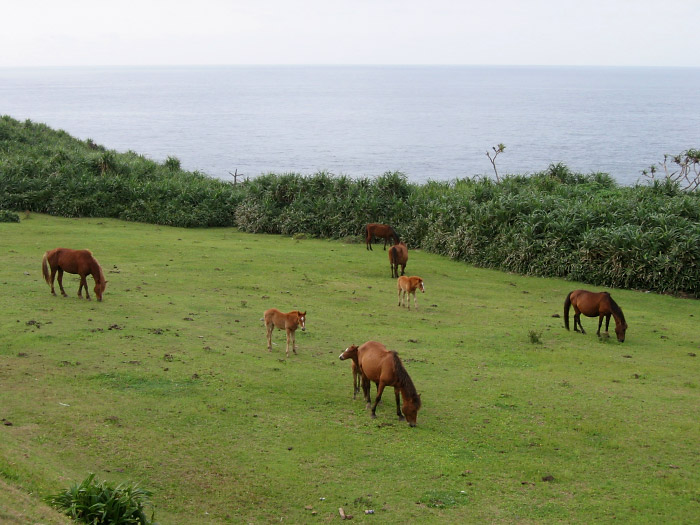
(407, 286)
(351, 353)
(384, 368)
(384, 231)
(288, 322)
(80, 262)
(594, 304)
(398, 256)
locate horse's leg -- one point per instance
(380, 389)
(398, 404)
(53, 276)
(600, 323)
(294, 341)
(607, 323)
(83, 280)
(400, 296)
(366, 390)
(415, 304)
(408, 300)
(577, 320)
(60, 283)
(403, 267)
(288, 342)
(270, 328)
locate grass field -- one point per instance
(168, 382)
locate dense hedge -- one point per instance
(553, 223)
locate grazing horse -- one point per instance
(288, 322)
(594, 304)
(384, 368)
(351, 353)
(398, 256)
(80, 262)
(407, 286)
(384, 231)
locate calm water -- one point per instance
(429, 122)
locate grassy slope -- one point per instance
(168, 382)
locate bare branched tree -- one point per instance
(687, 174)
(496, 150)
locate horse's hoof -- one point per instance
(374, 416)
(401, 418)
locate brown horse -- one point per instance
(351, 353)
(288, 322)
(407, 286)
(384, 368)
(383, 231)
(80, 262)
(594, 304)
(398, 256)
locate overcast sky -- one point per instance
(213, 32)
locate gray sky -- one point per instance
(211, 32)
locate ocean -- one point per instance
(429, 122)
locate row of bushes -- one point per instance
(553, 223)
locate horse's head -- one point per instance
(302, 320)
(410, 409)
(421, 285)
(100, 289)
(350, 351)
(620, 329)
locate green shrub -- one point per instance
(8, 216)
(555, 223)
(100, 503)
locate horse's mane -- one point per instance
(616, 309)
(99, 268)
(397, 240)
(404, 380)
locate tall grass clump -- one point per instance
(554, 223)
(100, 503)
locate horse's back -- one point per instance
(401, 252)
(71, 261)
(590, 303)
(371, 357)
(411, 283)
(271, 314)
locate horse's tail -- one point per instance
(393, 256)
(567, 305)
(404, 380)
(45, 268)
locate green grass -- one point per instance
(168, 383)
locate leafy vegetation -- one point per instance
(102, 503)
(553, 223)
(8, 216)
